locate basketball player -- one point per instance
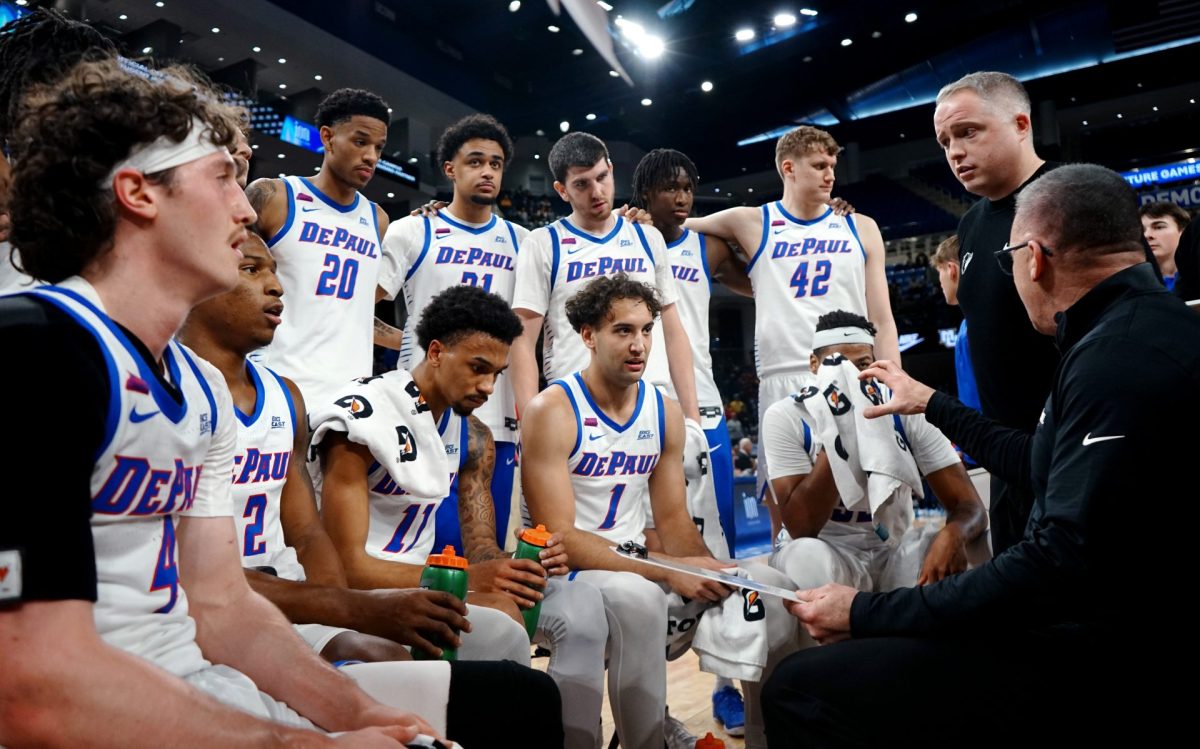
(326, 237)
(274, 505)
(601, 447)
(806, 261)
(830, 543)
(381, 524)
(664, 184)
(462, 243)
(557, 260)
(110, 639)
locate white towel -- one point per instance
(701, 492)
(731, 639)
(872, 465)
(388, 415)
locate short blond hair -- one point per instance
(946, 252)
(802, 140)
(1001, 91)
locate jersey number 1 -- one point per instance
(338, 278)
(610, 519)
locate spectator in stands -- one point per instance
(744, 463)
(983, 124)
(945, 260)
(1162, 225)
(734, 424)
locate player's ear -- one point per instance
(561, 189)
(434, 353)
(813, 363)
(448, 170)
(326, 136)
(133, 194)
(588, 334)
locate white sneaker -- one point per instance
(677, 735)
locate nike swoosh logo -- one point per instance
(779, 231)
(138, 418)
(306, 209)
(594, 437)
(572, 252)
(510, 462)
(1090, 440)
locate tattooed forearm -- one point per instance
(259, 193)
(476, 511)
(387, 335)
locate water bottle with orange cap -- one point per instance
(709, 742)
(446, 572)
(529, 546)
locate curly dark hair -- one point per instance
(473, 126)
(73, 133)
(39, 49)
(460, 311)
(594, 301)
(656, 170)
(840, 318)
(575, 149)
(345, 103)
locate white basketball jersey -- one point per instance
(260, 468)
(802, 270)
(576, 258)
(328, 265)
(611, 463)
(689, 265)
(148, 469)
(453, 254)
(402, 526)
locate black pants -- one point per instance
(498, 703)
(1008, 512)
(932, 693)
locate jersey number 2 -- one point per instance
(820, 281)
(338, 278)
(252, 543)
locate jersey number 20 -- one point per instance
(338, 278)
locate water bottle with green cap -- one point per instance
(446, 572)
(529, 546)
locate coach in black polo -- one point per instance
(1072, 633)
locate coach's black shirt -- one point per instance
(1110, 465)
(1014, 364)
(56, 385)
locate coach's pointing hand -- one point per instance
(908, 395)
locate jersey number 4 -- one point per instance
(338, 278)
(820, 280)
(166, 573)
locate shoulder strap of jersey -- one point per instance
(566, 386)
(554, 254)
(662, 419)
(854, 230)
(512, 233)
(762, 243)
(424, 247)
(645, 244)
(291, 213)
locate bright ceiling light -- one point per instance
(537, 156)
(706, 86)
(614, 74)
(807, 12)
(577, 51)
(604, 5)
(744, 35)
(256, 48)
(216, 29)
(147, 50)
(123, 17)
(647, 102)
(283, 61)
(514, 6)
(317, 77)
(564, 126)
(910, 17)
(283, 85)
(783, 20)
(392, 194)
(590, 117)
(652, 47)
(847, 42)
(553, 29)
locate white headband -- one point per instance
(165, 153)
(836, 336)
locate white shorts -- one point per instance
(238, 691)
(856, 559)
(318, 635)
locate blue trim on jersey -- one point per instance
(469, 229)
(424, 249)
(578, 421)
(259, 397)
(903, 434)
(375, 218)
(807, 436)
(637, 409)
(802, 222)
(463, 444)
(645, 245)
(208, 393)
(291, 215)
(662, 420)
(591, 237)
(554, 255)
(704, 260)
(113, 413)
(571, 575)
(854, 231)
(287, 393)
(163, 399)
(444, 422)
(762, 243)
(720, 462)
(512, 232)
(677, 242)
(330, 201)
